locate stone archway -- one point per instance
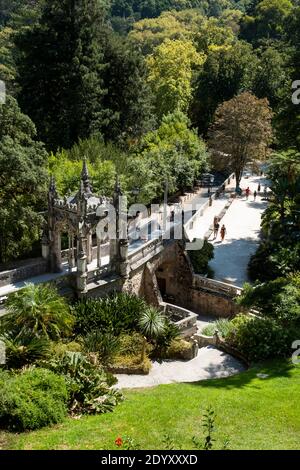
(172, 275)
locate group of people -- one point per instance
(248, 192)
(217, 228)
(256, 192)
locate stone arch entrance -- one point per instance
(173, 275)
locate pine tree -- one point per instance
(60, 71)
(129, 97)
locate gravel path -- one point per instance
(209, 364)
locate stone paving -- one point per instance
(209, 364)
(242, 222)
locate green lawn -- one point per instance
(254, 413)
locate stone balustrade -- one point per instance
(184, 319)
(212, 285)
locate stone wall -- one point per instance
(213, 304)
(209, 297)
(183, 287)
(26, 270)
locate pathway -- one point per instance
(210, 363)
(242, 221)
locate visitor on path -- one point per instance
(223, 232)
(216, 228)
(254, 195)
(247, 193)
(259, 188)
(265, 192)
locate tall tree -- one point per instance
(22, 182)
(241, 132)
(170, 75)
(288, 122)
(227, 72)
(60, 71)
(129, 98)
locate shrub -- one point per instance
(133, 353)
(32, 399)
(21, 351)
(223, 326)
(59, 349)
(114, 314)
(105, 345)
(133, 344)
(179, 349)
(88, 384)
(152, 323)
(164, 340)
(134, 363)
(201, 258)
(261, 338)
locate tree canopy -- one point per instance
(23, 180)
(241, 132)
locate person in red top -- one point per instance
(247, 192)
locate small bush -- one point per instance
(37, 310)
(261, 338)
(32, 399)
(132, 362)
(164, 340)
(179, 349)
(104, 344)
(201, 258)
(24, 350)
(59, 349)
(114, 314)
(133, 344)
(88, 384)
(134, 353)
(223, 326)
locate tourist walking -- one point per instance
(216, 227)
(247, 192)
(254, 195)
(259, 188)
(223, 232)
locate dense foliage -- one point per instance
(279, 252)
(111, 314)
(115, 81)
(201, 258)
(32, 399)
(35, 315)
(22, 182)
(88, 385)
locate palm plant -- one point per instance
(37, 310)
(23, 351)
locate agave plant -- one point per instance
(151, 323)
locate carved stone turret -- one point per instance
(86, 186)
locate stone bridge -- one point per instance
(158, 270)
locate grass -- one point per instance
(255, 413)
(223, 326)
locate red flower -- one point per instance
(119, 441)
